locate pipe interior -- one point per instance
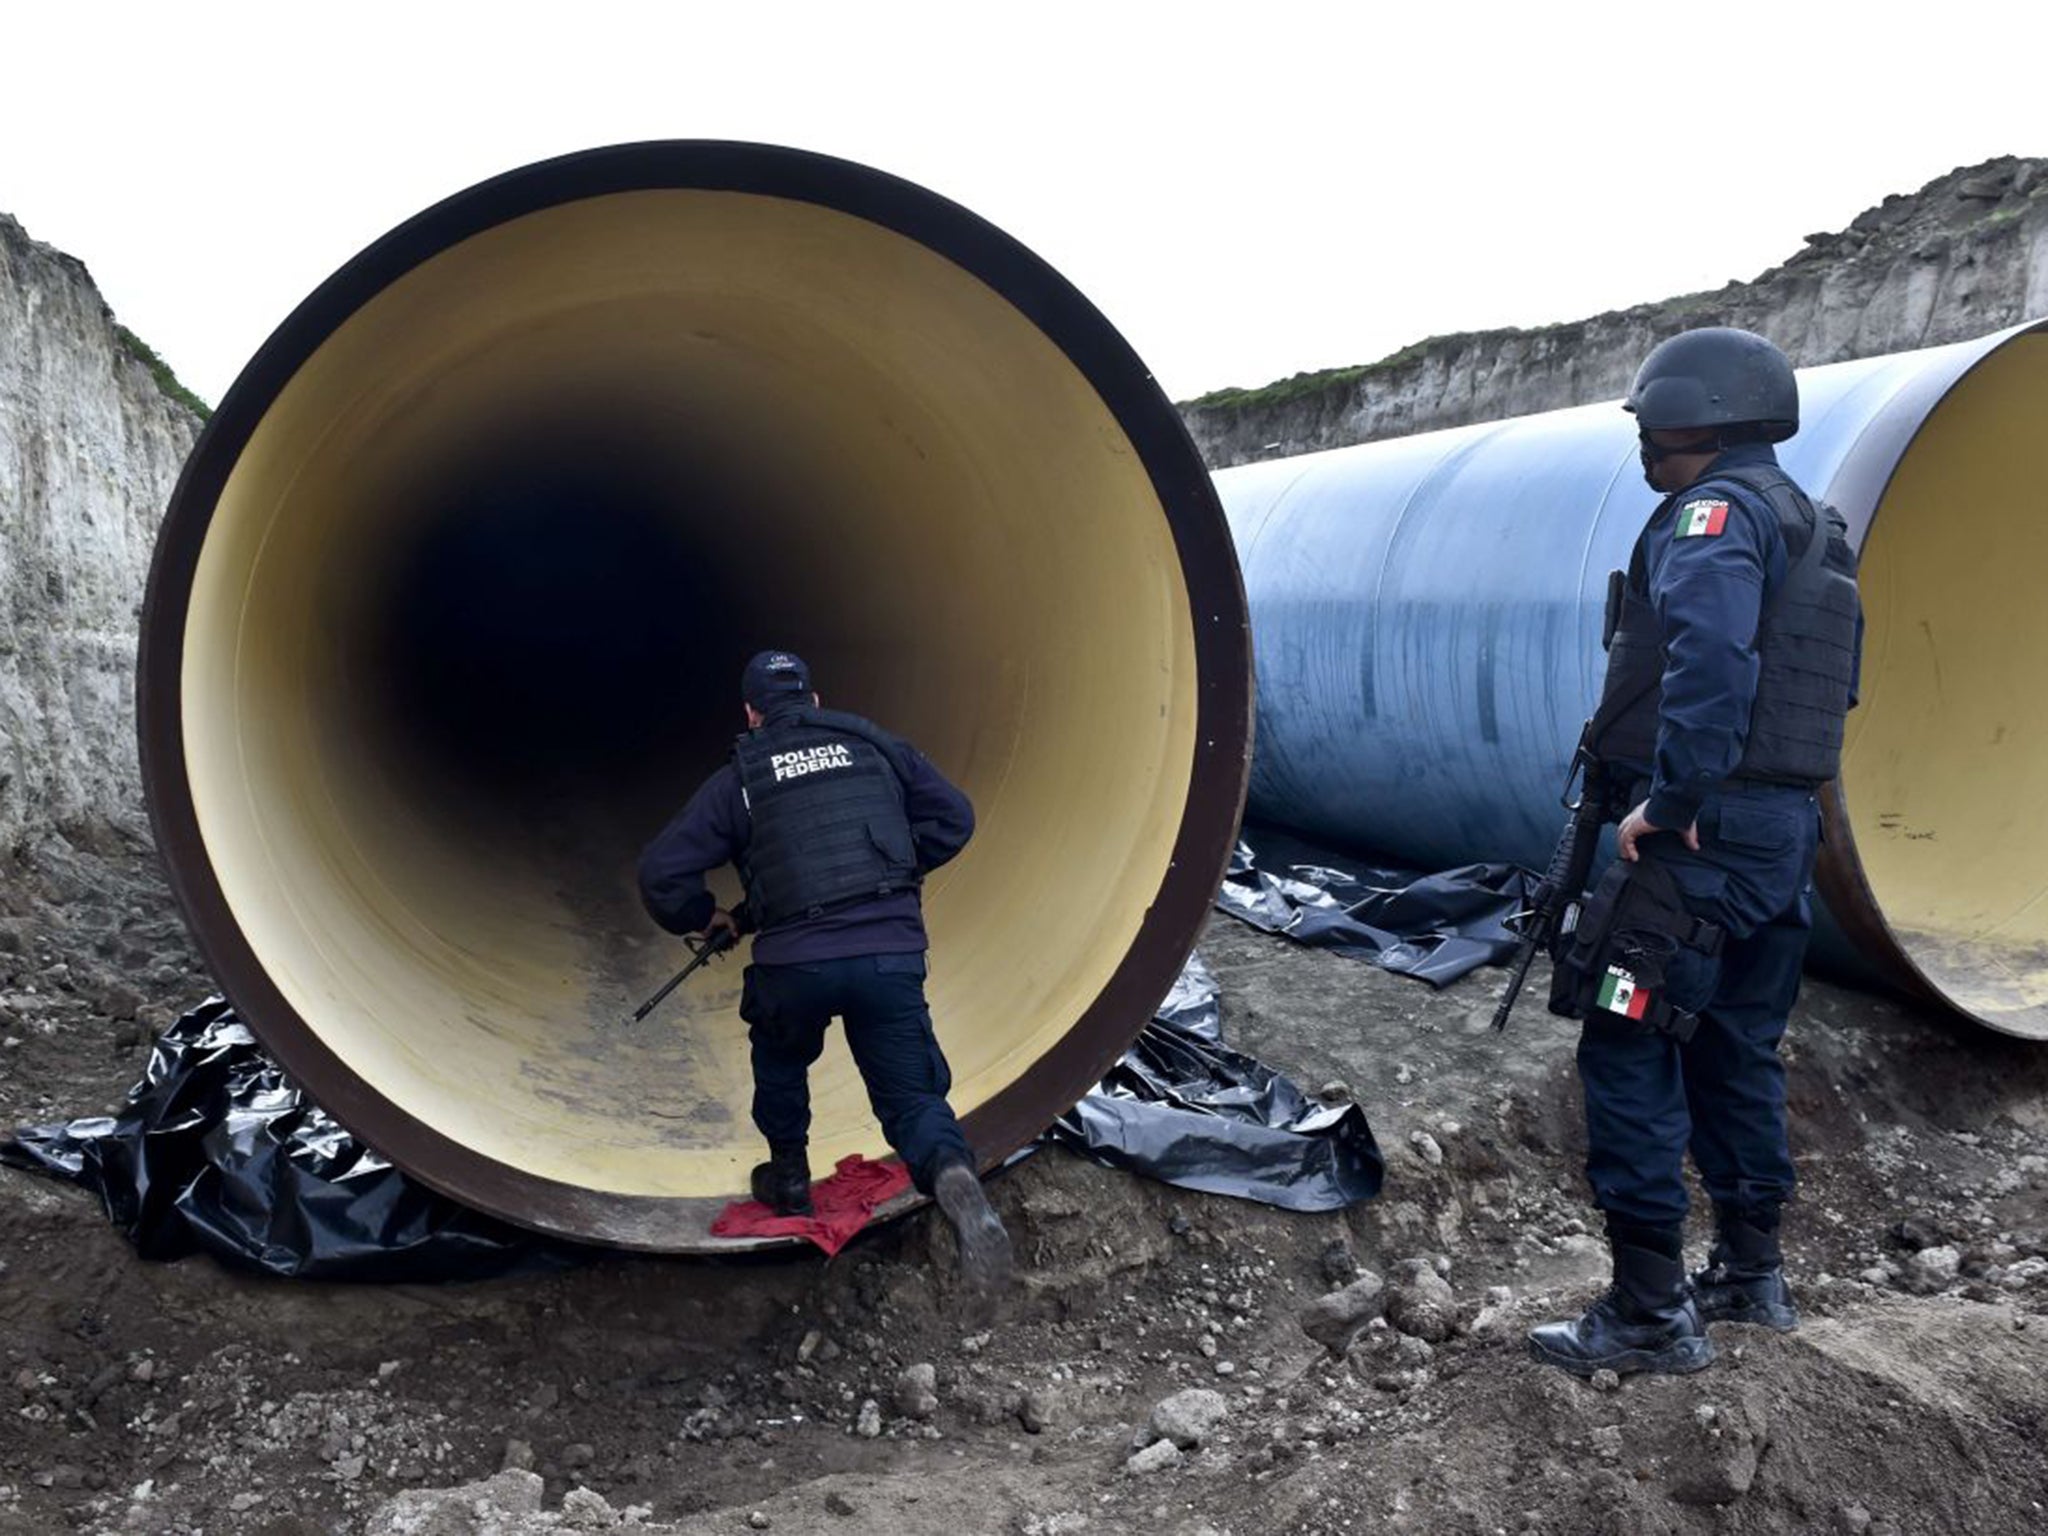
(467, 628)
(1942, 769)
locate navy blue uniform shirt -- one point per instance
(1709, 589)
(714, 829)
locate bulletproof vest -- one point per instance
(1805, 643)
(829, 828)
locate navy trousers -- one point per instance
(889, 1030)
(1721, 1095)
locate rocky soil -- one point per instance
(1964, 256)
(1172, 1363)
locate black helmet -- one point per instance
(1716, 377)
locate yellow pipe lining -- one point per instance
(1943, 773)
(917, 457)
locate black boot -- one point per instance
(1645, 1322)
(985, 1259)
(1744, 1281)
(783, 1183)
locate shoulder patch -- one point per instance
(1704, 518)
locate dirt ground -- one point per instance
(861, 1395)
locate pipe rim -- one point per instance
(1857, 490)
(1222, 646)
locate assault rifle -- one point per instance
(1553, 908)
(716, 943)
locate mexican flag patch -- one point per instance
(1620, 994)
(1702, 519)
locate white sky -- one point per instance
(1246, 190)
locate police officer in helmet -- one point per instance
(1732, 663)
(832, 823)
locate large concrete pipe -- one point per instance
(1428, 609)
(448, 614)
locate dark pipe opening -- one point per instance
(550, 629)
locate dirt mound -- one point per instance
(859, 1394)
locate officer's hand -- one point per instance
(721, 930)
(1638, 824)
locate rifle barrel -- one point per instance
(1563, 882)
(698, 957)
(1524, 958)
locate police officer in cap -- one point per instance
(1731, 667)
(832, 823)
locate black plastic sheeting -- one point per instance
(1184, 1108)
(1437, 927)
(218, 1152)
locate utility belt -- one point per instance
(817, 910)
(1615, 966)
(1638, 785)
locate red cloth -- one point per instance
(842, 1203)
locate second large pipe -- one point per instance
(1427, 616)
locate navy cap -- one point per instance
(773, 675)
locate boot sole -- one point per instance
(1774, 1316)
(1680, 1359)
(985, 1257)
